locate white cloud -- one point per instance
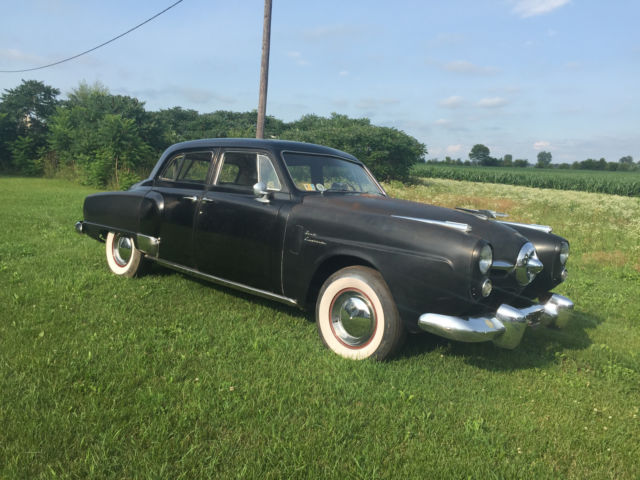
(453, 101)
(541, 145)
(297, 57)
(463, 66)
(344, 73)
(493, 102)
(13, 54)
(453, 149)
(443, 122)
(531, 8)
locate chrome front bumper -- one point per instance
(504, 328)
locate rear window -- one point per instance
(188, 167)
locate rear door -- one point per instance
(181, 184)
(238, 237)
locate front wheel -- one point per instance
(356, 315)
(123, 257)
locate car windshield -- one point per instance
(323, 173)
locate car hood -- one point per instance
(505, 240)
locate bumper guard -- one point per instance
(505, 328)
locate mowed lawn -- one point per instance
(167, 377)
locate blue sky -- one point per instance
(519, 76)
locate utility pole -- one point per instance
(264, 69)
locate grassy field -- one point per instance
(167, 377)
(617, 183)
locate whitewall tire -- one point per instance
(356, 315)
(123, 257)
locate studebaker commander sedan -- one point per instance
(310, 226)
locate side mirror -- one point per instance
(260, 192)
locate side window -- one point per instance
(172, 169)
(191, 167)
(244, 169)
(267, 174)
(238, 169)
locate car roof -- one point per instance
(277, 146)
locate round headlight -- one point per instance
(486, 259)
(564, 252)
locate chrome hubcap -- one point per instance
(353, 318)
(122, 250)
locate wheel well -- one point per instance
(325, 270)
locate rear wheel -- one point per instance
(123, 257)
(356, 315)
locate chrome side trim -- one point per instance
(483, 213)
(542, 228)
(148, 245)
(227, 283)
(504, 328)
(502, 265)
(463, 227)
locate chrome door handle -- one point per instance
(191, 198)
(208, 200)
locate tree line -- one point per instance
(107, 140)
(480, 155)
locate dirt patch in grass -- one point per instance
(614, 258)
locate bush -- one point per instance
(387, 152)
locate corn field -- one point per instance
(616, 183)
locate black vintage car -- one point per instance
(310, 226)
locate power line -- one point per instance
(94, 48)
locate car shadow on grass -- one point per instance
(540, 346)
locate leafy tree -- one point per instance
(544, 159)
(479, 154)
(25, 156)
(521, 163)
(626, 164)
(103, 137)
(121, 148)
(180, 124)
(388, 152)
(602, 164)
(24, 115)
(6, 134)
(507, 160)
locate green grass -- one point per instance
(617, 183)
(167, 377)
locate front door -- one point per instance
(238, 237)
